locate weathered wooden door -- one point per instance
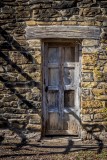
(61, 89)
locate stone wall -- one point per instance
(20, 64)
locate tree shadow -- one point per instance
(51, 149)
(89, 128)
(11, 42)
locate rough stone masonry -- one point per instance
(20, 65)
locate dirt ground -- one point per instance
(52, 149)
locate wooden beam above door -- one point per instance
(74, 32)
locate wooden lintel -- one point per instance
(76, 32)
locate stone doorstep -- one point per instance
(72, 143)
(67, 143)
(61, 139)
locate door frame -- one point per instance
(43, 71)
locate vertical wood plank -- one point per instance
(43, 93)
(69, 99)
(53, 76)
(62, 86)
(53, 56)
(77, 79)
(46, 83)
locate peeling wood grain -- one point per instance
(80, 32)
(61, 65)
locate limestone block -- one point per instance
(23, 90)
(69, 23)
(35, 117)
(9, 98)
(87, 68)
(100, 63)
(35, 76)
(87, 42)
(86, 118)
(102, 85)
(87, 98)
(87, 77)
(17, 123)
(1, 96)
(89, 49)
(89, 59)
(105, 68)
(104, 11)
(63, 4)
(17, 57)
(9, 76)
(93, 104)
(103, 45)
(38, 58)
(21, 78)
(29, 96)
(33, 127)
(30, 23)
(13, 116)
(102, 97)
(23, 14)
(86, 3)
(34, 43)
(104, 23)
(14, 110)
(88, 84)
(100, 18)
(98, 75)
(85, 91)
(98, 117)
(98, 92)
(103, 4)
(84, 135)
(89, 12)
(86, 23)
(35, 90)
(92, 110)
(97, 23)
(30, 68)
(1, 69)
(1, 85)
(103, 57)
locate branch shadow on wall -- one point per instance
(89, 128)
(10, 42)
(11, 86)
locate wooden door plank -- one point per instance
(53, 65)
(53, 56)
(53, 76)
(71, 95)
(77, 79)
(53, 100)
(54, 88)
(61, 93)
(46, 82)
(69, 99)
(69, 64)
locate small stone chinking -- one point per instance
(20, 65)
